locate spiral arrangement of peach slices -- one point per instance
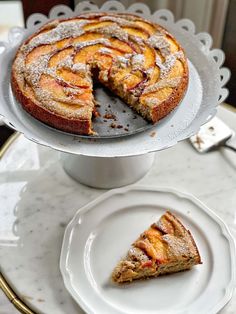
(137, 60)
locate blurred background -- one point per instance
(214, 16)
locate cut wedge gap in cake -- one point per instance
(165, 247)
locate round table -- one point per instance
(38, 199)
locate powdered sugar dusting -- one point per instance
(69, 91)
(41, 94)
(102, 41)
(137, 40)
(20, 64)
(114, 31)
(35, 69)
(65, 63)
(62, 31)
(137, 61)
(170, 60)
(80, 67)
(159, 41)
(119, 20)
(105, 50)
(122, 62)
(179, 55)
(174, 82)
(178, 246)
(151, 101)
(159, 61)
(137, 254)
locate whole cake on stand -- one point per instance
(115, 156)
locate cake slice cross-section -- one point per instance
(165, 247)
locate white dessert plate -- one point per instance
(101, 232)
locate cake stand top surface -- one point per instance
(205, 91)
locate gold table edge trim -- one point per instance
(4, 285)
(10, 294)
(228, 107)
(8, 143)
(13, 298)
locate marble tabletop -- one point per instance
(38, 199)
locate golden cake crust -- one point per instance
(165, 247)
(79, 126)
(152, 96)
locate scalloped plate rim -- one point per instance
(212, 215)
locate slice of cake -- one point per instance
(165, 247)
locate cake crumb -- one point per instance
(109, 116)
(153, 134)
(113, 125)
(126, 129)
(119, 126)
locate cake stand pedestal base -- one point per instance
(106, 173)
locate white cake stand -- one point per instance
(109, 163)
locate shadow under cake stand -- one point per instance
(108, 162)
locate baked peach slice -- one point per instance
(121, 45)
(59, 57)
(128, 79)
(73, 78)
(154, 76)
(136, 79)
(87, 37)
(103, 61)
(138, 32)
(136, 47)
(173, 45)
(38, 52)
(125, 47)
(63, 43)
(86, 53)
(118, 76)
(97, 25)
(49, 84)
(57, 91)
(146, 26)
(133, 81)
(149, 57)
(177, 69)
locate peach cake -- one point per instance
(165, 247)
(54, 70)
